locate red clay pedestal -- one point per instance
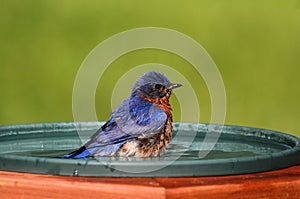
(284, 183)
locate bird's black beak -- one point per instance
(172, 86)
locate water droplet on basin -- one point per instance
(76, 172)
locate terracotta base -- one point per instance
(283, 183)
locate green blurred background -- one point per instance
(254, 43)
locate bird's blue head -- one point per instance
(153, 85)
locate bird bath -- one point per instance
(38, 148)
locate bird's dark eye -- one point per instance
(158, 86)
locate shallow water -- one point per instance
(188, 155)
(185, 149)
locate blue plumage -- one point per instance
(140, 126)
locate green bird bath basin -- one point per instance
(194, 151)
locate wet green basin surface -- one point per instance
(195, 150)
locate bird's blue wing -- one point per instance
(127, 123)
(133, 118)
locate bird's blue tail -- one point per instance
(82, 152)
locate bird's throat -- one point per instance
(163, 103)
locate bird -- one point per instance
(141, 126)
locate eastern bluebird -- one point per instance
(140, 127)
